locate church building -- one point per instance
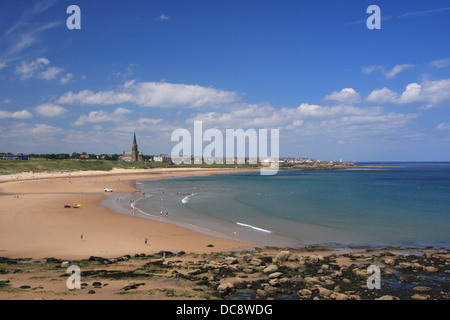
(134, 154)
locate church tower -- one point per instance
(134, 150)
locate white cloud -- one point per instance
(66, 78)
(27, 70)
(2, 65)
(50, 73)
(5, 101)
(439, 64)
(163, 17)
(153, 94)
(24, 114)
(432, 93)
(382, 96)
(50, 110)
(423, 12)
(346, 95)
(43, 129)
(443, 126)
(397, 69)
(103, 116)
(40, 67)
(308, 120)
(389, 74)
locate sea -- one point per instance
(404, 204)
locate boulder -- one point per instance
(304, 293)
(387, 297)
(270, 269)
(261, 294)
(422, 289)
(130, 285)
(256, 262)
(282, 256)
(431, 269)
(231, 260)
(275, 275)
(389, 261)
(225, 288)
(340, 296)
(324, 293)
(270, 290)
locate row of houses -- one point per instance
(10, 156)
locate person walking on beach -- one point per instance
(145, 240)
(81, 237)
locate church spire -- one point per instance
(134, 150)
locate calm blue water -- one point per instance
(407, 204)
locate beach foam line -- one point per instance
(253, 227)
(186, 199)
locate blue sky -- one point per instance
(311, 69)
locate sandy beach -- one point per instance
(34, 222)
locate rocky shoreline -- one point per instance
(259, 274)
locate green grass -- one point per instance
(46, 165)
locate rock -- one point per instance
(130, 285)
(275, 275)
(324, 268)
(248, 270)
(231, 260)
(97, 284)
(417, 266)
(431, 269)
(261, 294)
(406, 265)
(304, 293)
(420, 297)
(194, 272)
(256, 262)
(274, 282)
(329, 282)
(210, 246)
(270, 269)
(311, 281)
(422, 289)
(387, 297)
(247, 257)
(239, 282)
(4, 281)
(25, 287)
(65, 264)
(324, 293)
(91, 292)
(389, 261)
(270, 290)
(340, 296)
(313, 259)
(225, 288)
(282, 256)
